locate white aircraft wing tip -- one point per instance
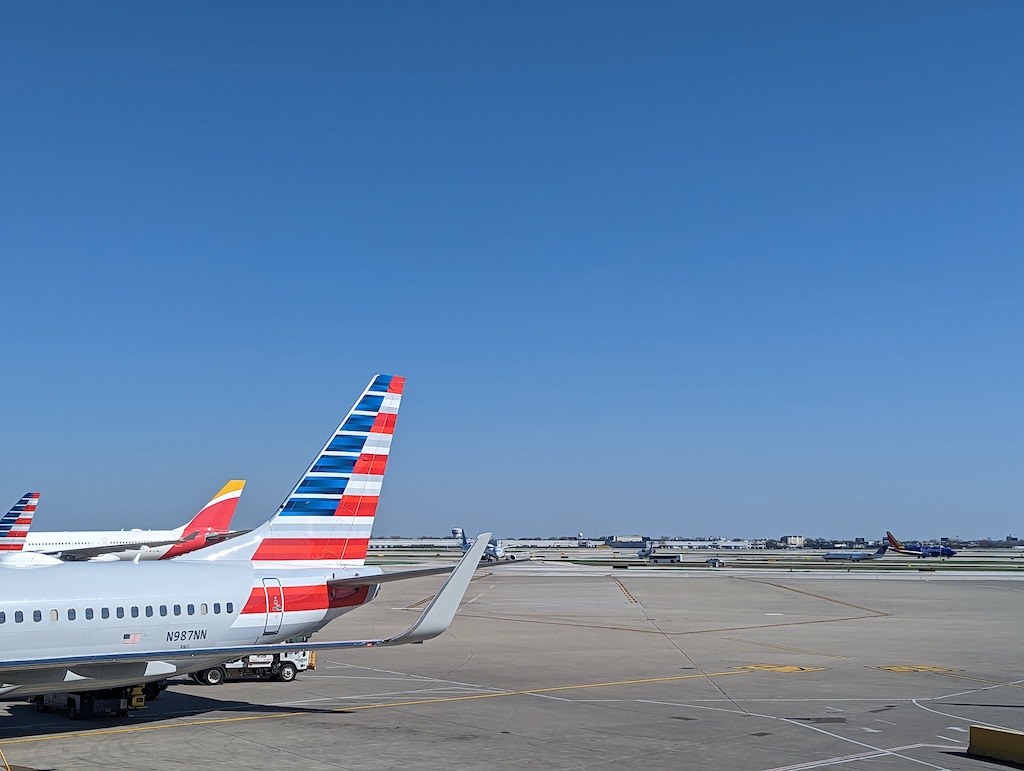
(439, 613)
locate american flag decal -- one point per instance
(132, 638)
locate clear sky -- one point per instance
(719, 268)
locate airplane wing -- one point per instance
(402, 575)
(88, 552)
(212, 538)
(432, 622)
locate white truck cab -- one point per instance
(261, 666)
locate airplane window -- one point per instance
(3, 617)
(88, 614)
(54, 615)
(163, 610)
(72, 614)
(149, 611)
(202, 609)
(135, 611)
(120, 612)
(230, 607)
(37, 615)
(191, 609)
(18, 617)
(105, 612)
(216, 609)
(177, 610)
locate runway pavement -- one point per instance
(576, 667)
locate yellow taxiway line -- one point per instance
(384, 705)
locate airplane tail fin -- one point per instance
(892, 541)
(882, 549)
(459, 533)
(327, 518)
(15, 523)
(214, 517)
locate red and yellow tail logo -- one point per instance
(214, 517)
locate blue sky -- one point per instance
(733, 269)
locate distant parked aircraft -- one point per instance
(494, 552)
(855, 556)
(916, 549)
(210, 525)
(15, 523)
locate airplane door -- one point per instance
(275, 605)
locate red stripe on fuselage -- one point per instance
(311, 549)
(347, 596)
(309, 598)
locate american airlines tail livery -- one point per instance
(210, 525)
(79, 627)
(16, 522)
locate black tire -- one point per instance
(40, 706)
(287, 672)
(213, 676)
(151, 691)
(72, 710)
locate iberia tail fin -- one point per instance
(327, 518)
(15, 523)
(213, 519)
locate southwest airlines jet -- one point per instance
(71, 627)
(916, 549)
(210, 525)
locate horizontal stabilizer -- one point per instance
(386, 578)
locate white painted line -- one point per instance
(947, 739)
(958, 717)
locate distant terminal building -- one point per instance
(626, 541)
(413, 543)
(793, 541)
(738, 544)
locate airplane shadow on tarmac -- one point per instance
(25, 721)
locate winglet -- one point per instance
(441, 610)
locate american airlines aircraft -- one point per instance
(16, 522)
(76, 627)
(209, 526)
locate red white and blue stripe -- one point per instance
(15, 523)
(328, 517)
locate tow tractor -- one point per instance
(109, 702)
(261, 666)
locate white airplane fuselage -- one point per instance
(133, 540)
(121, 608)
